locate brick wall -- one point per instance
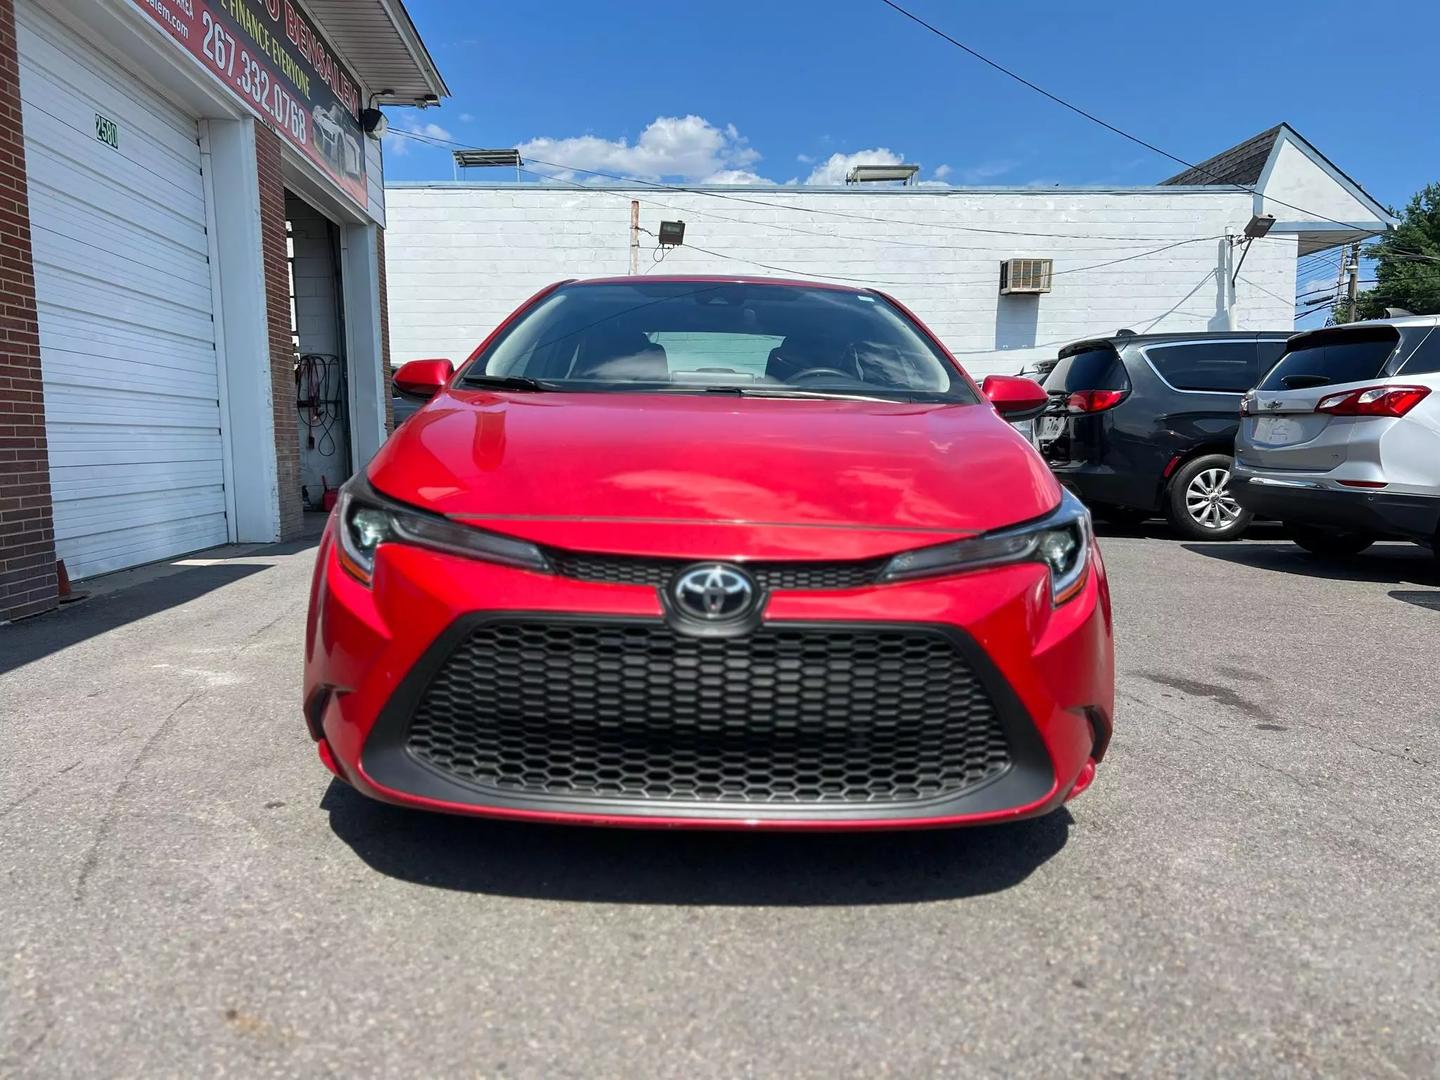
(282, 348)
(27, 531)
(384, 334)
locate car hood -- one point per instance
(543, 465)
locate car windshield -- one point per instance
(1332, 357)
(696, 336)
(1097, 368)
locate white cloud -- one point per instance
(942, 171)
(467, 118)
(804, 159)
(833, 169)
(398, 144)
(679, 147)
(735, 176)
(987, 170)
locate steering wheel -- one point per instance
(810, 373)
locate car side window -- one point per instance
(1426, 357)
(1269, 352)
(1217, 366)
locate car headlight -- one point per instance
(1060, 540)
(366, 519)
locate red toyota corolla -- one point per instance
(711, 552)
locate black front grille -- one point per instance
(632, 710)
(771, 576)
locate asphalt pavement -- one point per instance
(1251, 887)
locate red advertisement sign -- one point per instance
(270, 56)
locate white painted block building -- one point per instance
(460, 255)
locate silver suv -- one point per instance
(1341, 440)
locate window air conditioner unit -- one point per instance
(1025, 276)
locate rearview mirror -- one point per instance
(1015, 398)
(423, 379)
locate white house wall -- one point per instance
(1293, 177)
(461, 257)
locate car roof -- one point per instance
(1178, 335)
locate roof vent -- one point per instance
(1025, 276)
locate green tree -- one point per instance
(1407, 263)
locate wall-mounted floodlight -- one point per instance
(373, 123)
(672, 233)
(1259, 225)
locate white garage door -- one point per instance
(122, 281)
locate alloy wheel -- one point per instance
(1208, 500)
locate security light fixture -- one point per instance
(1259, 225)
(869, 174)
(373, 123)
(672, 233)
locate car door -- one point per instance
(1208, 376)
(1281, 429)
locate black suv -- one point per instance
(1145, 424)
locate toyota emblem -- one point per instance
(714, 593)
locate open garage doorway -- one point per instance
(322, 384)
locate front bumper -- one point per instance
(1313, 502)
(371, 653)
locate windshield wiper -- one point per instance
(785, 392)
(506, 382)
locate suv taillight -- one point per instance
(1093, 401)
(1373, 401)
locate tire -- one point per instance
(1198, 504)
(1331, 543)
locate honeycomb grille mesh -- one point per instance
(771, 576)
(783, 715)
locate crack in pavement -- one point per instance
(23, 799)
(1219, 737)
(285, 614)
(112, 807)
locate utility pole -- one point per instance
(1354, 269)
(634, 237)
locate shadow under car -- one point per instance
(626, 866)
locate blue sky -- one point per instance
(775, 89)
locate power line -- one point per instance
(1103, 123)
(818, 211)
(691, 190)
(861, 217)
(927, 273)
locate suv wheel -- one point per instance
(1329, 542)
(1199, 505)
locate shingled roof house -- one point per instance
(1302, 188)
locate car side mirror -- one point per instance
(422, 379)
(1015, 398)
